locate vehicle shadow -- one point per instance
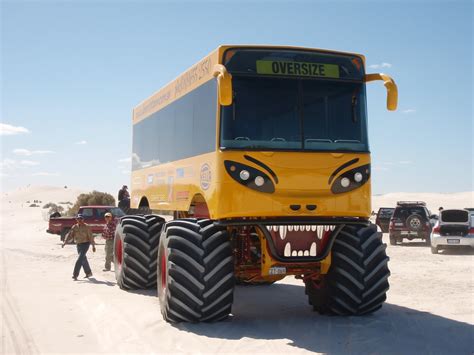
(460, 250)
(413, 244)
(149, 292)
(280, 313)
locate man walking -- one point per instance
(108, 234)
(81, 233)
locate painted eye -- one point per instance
(249, 176)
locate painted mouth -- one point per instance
(300, 240)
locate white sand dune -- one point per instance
(429, 307)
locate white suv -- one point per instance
(454, 228)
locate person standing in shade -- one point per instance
(82, 235)
(108, 234)
(124, 198)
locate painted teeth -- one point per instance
(312, 250)
(288, 252)
(297, 228)
(282, 232)
(290, 228)
(314, 228)
(287, 249)
(308, 228)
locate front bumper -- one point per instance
(441, 241)
(409, 234)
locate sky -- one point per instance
(72, 71)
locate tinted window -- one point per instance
(185, 128)
(455, 216)
(385, 212)
(100, 212)
(295, 114)
(405, 212)
(117, 212)
(88, 212)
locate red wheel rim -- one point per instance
(119, 252)
(164, 271)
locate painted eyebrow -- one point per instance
(266, 167)
(343, 166)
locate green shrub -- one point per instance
(91, 198)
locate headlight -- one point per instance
(244, 175)
(259, 181)
(345, 182)
(358, 177)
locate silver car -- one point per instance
(454, 228)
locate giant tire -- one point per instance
(357, 281)
(195, 271)
(135, 251)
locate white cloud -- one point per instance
(9, 130)
(27, 153)
(81, 142)
(410, 110)
(381, 65)
(42, 173)
(125, 160)
(29, 163)
(7, 163)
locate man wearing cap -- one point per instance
(108, 234)
(82, 235)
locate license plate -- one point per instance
(453, 241)
(408, 233)
(277, 270)
(399, 224)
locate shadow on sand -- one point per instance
(149, 292)
(413, 244)
(93, 280)
(281, 312)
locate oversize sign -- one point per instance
(297, 69)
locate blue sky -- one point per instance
(71, 72)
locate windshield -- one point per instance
(117, 212)
(271, 113)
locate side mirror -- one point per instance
(434, 216)
(224, 84)
(392, 90)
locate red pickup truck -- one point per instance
(93, 216)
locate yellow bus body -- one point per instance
(303, 176)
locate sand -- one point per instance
(429, 307)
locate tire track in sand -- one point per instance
(14, 333)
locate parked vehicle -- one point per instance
(410, 220)
(455, 228)
(383, 218)
(93, 216)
